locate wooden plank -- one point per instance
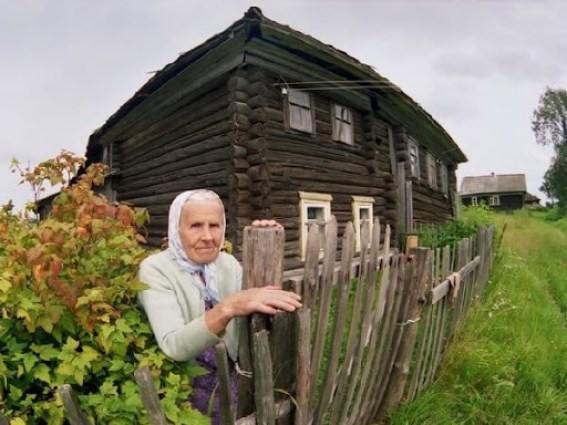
(263, 380)
(262, 256)
(372, 356)
(303, 367)
(311, 269)
(353, 348)
(347, 252)
(324, 304)
(74, 413)
(420, 273)
(226, 415)
(441, 290)
(149, 396)
(406, 293)
(389, 328)
(369, 275)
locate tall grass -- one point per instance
(508, 362)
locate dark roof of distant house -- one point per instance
(254, 16)
(494, 183)
(531, 199)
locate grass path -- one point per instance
(508, 364)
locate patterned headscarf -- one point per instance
(209, 291)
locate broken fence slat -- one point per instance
(149, 396)
(74, 413)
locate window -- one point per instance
(474, 201)
(431, 171)
(494, 200)
(444, 175)
(299, 111)
(414, 159)
(362, 209)
(314, 208)
(342, 124)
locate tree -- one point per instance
(550, 118)
(549, 125)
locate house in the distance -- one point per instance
(281, 126)
(502, 192)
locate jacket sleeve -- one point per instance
(179, 340)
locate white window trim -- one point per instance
(495, 200)
(414, 173)
(346, 137)
(474, 201)
(358, 203)
(311, 199)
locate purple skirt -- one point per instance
(206, 396)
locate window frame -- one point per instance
(413, 159)
(362, 203)
(432, 171)
(309, 200)
(290, 104)
(474, 201)
(494, 200)
(340, 123)
(444, 176)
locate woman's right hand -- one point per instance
(266, 300)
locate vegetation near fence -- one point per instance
(508, 362)
(371, 336)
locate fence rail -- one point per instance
(371, 335)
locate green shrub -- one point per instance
(466, 225)
(68, 310)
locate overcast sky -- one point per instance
(477, 66)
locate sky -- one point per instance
(477, 66)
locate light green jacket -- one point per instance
(176, 311)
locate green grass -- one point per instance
(508, 362)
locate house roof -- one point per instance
(503, 183)
(255, 25)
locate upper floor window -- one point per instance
(444, 175)
(431, 171)
(342, 124)
(314, 208)
(414, 159)
(362, 210)
(299, 111)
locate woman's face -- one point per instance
(201, 230)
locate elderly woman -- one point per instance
(194, 290)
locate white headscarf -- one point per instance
(209, 291)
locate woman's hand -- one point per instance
(266, 223)
(267, 300)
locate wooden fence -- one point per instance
(371, 334)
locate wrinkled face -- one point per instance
(201, 230)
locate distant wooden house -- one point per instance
(280, 125)
(501, 192)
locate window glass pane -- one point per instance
(315, 213)
(299, 98)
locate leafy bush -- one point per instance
(466, 225)
(68, 310)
